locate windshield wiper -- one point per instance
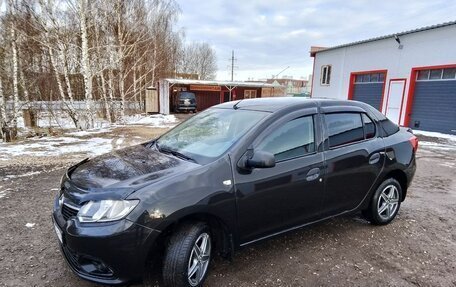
(174, 153)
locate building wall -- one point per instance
(427, 48)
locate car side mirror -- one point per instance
(261, 159)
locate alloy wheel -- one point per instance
(199, 259)
(388, 202)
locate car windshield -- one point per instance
(185, 95)
(208, 135)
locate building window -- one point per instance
(250, 94)
(370, 78)
(436, 74)
(449, 74)
(423, 75)
(325, 77)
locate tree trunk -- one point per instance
(57, 75)
(110, 84)
(154, 65)
(22, 78)
(135, 98)
(120, 58)
(15, 96)
(141, 89)
(2, 111)
(86, 73)
(105, 98)
(71, 112)
(62, 57)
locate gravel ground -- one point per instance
(417, 249)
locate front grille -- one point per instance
(69, 211)
(87, 265)
(71, 256)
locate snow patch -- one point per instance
(74, 142)
(119, 141)
(4, 193)
(448, 164)
(55, 146)
(90, 132)
(23, 175)
(437, 146)
(435, 135)
(150, 120)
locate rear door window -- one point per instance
(344, 128)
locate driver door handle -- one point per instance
(313, 174)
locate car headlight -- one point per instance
(106, 210)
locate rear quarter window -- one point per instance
(388, 127)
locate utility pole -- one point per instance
(232, 65)
(233, 59)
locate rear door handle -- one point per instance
(375, 158)
(313, 174)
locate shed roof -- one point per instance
(426, 28)
(222, 83)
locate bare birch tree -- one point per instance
(97, 54)
(2, 108)
(15, 71)
(199, 59)
(86, 71)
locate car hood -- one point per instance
(123, 171)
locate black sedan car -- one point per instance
(230, 176)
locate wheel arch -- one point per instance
(221, 232)
(401, 177)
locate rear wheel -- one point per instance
(188, 256)
(385, 203)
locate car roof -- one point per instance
(275, 104)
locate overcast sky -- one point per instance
(268, 36)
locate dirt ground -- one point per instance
(417, 249)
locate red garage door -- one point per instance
(368, 87)
(205, 100)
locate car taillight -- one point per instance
(414, 142)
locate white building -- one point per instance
(409, 76)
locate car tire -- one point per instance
(188, 256)
(385, 203)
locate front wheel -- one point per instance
(188, 256)
(385, 203)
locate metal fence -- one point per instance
(77, 105)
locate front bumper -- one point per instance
(186, 108)
(106, 253)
